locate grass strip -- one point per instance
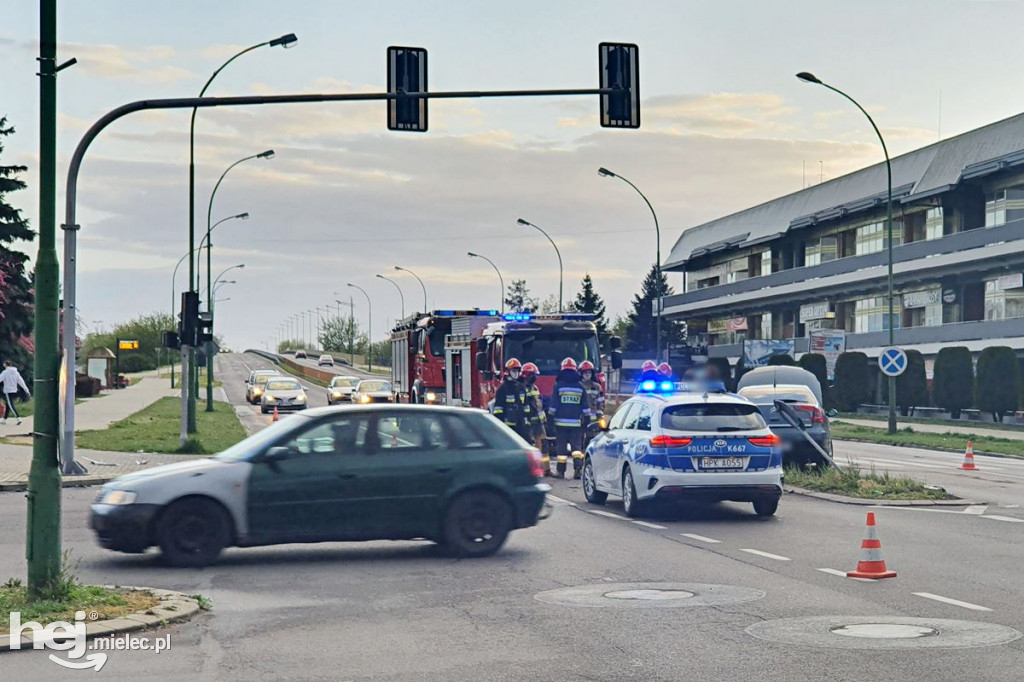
(852, 482)
(954, 442)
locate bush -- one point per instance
(815, 364)
(853, 381)
(953, 384)
(998, 381)
(724, 369)
(782, 359)
(911, 386)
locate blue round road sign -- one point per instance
(892, 362)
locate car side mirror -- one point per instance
(616, 358)
(833, 413)
(488, 375)
(276, 454)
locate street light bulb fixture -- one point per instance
(269, 154)
(605, 173)
(287, 41)
(243, 216)
(471, 254)
(381, 276)
(808, 77)
(523, 222)
(240, 265)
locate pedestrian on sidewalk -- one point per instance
(11, 382)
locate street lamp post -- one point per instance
(501, 280)
(351, 323)
(605, 173)
(401, 269)
(401, 296)
(286, 41)
(174, 278)
(811, 78)
(209, 345)
(369, 327)
(557, 253)
(240, 216)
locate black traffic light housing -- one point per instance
(204, 329)
(170, 340)
(188, 318)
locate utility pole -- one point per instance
(43, 540)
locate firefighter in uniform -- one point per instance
(648, 370)
(570, 413)
(511, 404)
(595, 394)
(530, 372)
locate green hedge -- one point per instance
(998, 382)
(782, 359)
(953, 383)
(853, 381)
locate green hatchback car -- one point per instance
(455, 476)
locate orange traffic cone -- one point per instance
(275, 415)
(871, 564)
(968, 464)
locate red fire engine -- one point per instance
(475, 358)
(418, 355)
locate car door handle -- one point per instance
(348, 476)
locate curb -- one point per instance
(843, 499)
(77, 482)
(174, 607)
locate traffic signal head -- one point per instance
(204, 329)
(188, 318)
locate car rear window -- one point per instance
(717, 417)
(343, 381)
(374, 386)
(767, 394)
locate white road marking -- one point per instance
(767, 555)
(996, 517)
(560, 500)
(874, 460)
(1009, 506)
(842, 574)
(954, 602)
(693, 536)
(933, 511)
(649, 525)
(608, 514)
(976, 509)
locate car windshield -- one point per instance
(255, 443)
(717, 417)
(344, 382)
(283, 385)
(548, 350)
(768, 394)
(438, 329)
(374, 386)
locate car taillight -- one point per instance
(536, 468)
(769, 441)
(817, 416)
(670, 442)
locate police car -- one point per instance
(684, 442)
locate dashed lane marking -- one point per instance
(766, 555)
(560, 500)
(649, 525)
(997, 517)
(954, 602)
(701, 538)
(608, 514)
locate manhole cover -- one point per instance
(883, 632)
(649, 595)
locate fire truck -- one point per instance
(475, 356)
(418, 351)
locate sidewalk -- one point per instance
(938, 428)
(94, 414)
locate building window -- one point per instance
(995, 208)
(933, 223)
(737, 270)
(1002, 302)
(871, 237)
(871, 314)
(821, 251)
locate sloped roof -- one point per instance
(915, 175)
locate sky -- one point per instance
(725, 126)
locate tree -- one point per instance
(380, 353)
(642, 322)
(953, 385)
(518, 298)
(620, 326)
(16, 292)
(549, 305)
(998, 381)
(815, 364)
(587, 301)
(853, 381)
(147, 330)
(342, 335)
(911, 386)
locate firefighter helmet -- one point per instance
(665, 369)
(513, 363)
(585, 365)
(530, 368)
(648, 366)
(568, 363)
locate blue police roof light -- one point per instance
(516, 317)
(647, 386)
(667, 386)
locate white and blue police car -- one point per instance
(684, 442)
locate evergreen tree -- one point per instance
(587, 301)
(642, 322)
(16, 294)
(518, 298)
